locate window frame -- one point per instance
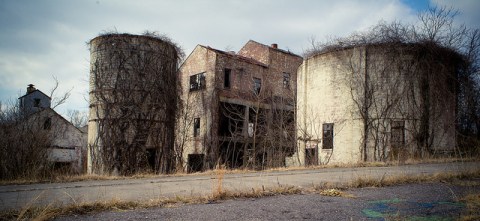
(227, 78)
(257, 86)
(197, 82)
(399, 126)
(327, 136)
(47, 124)
(286, 80)
(196, 127)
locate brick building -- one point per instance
(237, 108)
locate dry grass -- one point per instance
(217, 187)
(335, 192)
(219, 193)
(50, 211)
(473, 207)
(406, 179)
(146, 175)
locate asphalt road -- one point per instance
(19, 196)
(429, 201)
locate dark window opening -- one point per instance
(226, 78)
(257, 85)
(231, 119)
(47, 124)
(196, 127)
(197, 82)
(327, 139)
(398, 134)
(36, 102)
(62, 167)
(257, 122)
(195, 163)
(286, 80)
(151, 158)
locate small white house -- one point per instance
(68, 143)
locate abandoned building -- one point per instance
(133, 100)
(238, 108)
(265, 107)
(67, 143)
(378, 102)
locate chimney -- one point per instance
(30, 88)
(274, 46)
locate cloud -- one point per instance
(39, 39)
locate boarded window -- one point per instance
(197, 82)
(398, 134)
(286, 80)
(327, 137)
(257, 85)
(226, 78)
(196, 127)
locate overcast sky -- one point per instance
(44, 38)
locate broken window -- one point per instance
(197, 82)
(226, 78)
(286, 80)
(257, 85)
(250, 129)
(231, 119)
(327, 136)
(398, 134)
(196, 127)
(36, 102)
(47, 124)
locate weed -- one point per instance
(473, 207)
(219, 193)
(331, 192)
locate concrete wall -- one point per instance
(132, 79)
(322, 98)
(331, 90)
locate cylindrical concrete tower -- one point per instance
(132, 104)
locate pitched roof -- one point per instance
(236, 56)
(34, 92)
(277, 49)
(50, 110)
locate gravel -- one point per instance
(433, 201)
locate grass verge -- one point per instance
(218, 193)
(473, 207)
(146, 175)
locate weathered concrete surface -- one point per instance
(425, 201)
(19, 196)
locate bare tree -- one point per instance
(26, 136)
(133, 96)
(58, 100)
(404, 73)
(77, 118)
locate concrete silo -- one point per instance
(132, 104)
